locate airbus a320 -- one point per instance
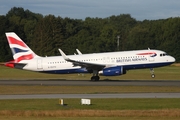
(107, 64)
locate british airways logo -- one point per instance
(17, 42)
(151, 54)
(17, 50)
(20, 50)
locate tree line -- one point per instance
(45, 34)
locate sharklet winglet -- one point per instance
(79, 52)
(63, 55)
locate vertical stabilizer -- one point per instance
(19, 49)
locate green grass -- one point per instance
(40, 89)
(97, 104)
(163, 73)
(103, 109)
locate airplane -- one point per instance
(107, 64)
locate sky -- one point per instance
(80, 9)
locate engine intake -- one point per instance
(113, 71)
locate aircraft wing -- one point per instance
(87, 65)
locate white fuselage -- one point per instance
(127, 59)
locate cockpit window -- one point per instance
(163, 54)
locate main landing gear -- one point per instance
(152, 72)
(95, 76)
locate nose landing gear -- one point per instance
(152, 72)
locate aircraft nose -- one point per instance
(172, 59)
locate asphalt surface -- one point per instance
(90, 83)
(127, 95)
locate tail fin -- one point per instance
(19, 49)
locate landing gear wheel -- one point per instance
(95, 78)
(153, 75)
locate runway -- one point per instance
(91, 83)
(62, 96)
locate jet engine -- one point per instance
(113, 71)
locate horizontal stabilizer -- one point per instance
(13, 64)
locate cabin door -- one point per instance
(39, 64)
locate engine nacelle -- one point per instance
(113, 71)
